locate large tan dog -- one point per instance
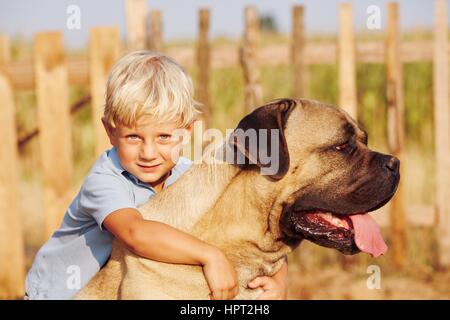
(325, 183)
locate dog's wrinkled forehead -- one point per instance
(314, 123)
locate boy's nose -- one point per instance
(149, 151)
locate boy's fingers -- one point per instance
(254, 283)
(227, 295)
(230, 293)
(235, 291)
(224, 294)
(267, 295)
(216, 295)
(258, 282)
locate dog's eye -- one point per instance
(343, 147)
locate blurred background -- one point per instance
(386, 63)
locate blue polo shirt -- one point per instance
(80, 247)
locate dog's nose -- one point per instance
(393, 164)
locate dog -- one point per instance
(325, 182)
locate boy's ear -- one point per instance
(109, 131)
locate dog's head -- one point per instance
(329, 178)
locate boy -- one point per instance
(148, 97)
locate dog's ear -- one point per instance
(259, 139)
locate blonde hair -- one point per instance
(149, 83)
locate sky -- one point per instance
(26, 17)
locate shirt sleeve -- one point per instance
(102, 194)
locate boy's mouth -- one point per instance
(147, 167)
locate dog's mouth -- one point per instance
(348, 233)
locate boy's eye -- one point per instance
(165, 137)
(133, 137)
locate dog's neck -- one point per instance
(244, 221)
(191, 196)
(194, 193)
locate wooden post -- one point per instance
(346, 58)
(12, 253)
(442, 130)
(298, 52)
(104, 51)
(204, 66)
(155, 30)
(136, 11)
(55, 136)
(248, 59)
(396, 129)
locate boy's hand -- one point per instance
(275, 287)
(220, 276)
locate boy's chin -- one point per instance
(152, 178)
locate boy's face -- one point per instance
(148, 151)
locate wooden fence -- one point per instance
(51, 72)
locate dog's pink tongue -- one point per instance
(368, 235)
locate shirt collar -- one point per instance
(112, 154)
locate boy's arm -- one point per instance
(161, 242)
